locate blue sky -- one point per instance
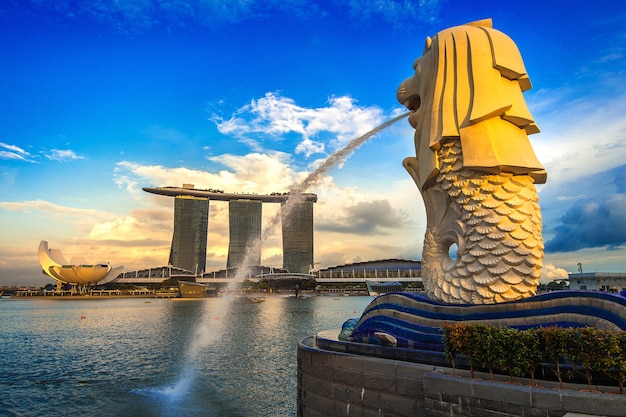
(101, 98)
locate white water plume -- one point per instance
(208, 329)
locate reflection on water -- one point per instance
(125, 356)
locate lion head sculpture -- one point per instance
(475, 167)
(468, 85)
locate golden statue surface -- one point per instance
(475, 166)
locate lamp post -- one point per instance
(580, 269)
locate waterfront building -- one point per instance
(245, 218)
(598, 281)
(383, 269)
(189, 241)
(244, 229)
(75, 272)
(353, 278)
(297, 223)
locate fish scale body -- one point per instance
(495, 221)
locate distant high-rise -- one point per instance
(245, 228)
(191, 219)
(245, 217)
(298, 237)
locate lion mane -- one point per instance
(468, 85)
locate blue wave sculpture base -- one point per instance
(413, 321)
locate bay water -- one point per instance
(124, 357)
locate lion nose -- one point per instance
(401, 94)
(408, 96)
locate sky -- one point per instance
(99, 98)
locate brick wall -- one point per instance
(344, 384)
(337, 384)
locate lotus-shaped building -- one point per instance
(57, 267)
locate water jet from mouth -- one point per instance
(207, 331)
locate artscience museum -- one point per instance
(75, 272)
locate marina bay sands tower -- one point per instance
(191, 219)
(191, 210)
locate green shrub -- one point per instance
(454, 338)
(520, 352)
(554, 345)
(617, 369)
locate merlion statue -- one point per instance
(475, 167)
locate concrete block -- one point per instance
(355, 410)
(578, 415)
(397, 406)
(408, 387)
(384, 366)
(412, 370)
(322, 405)
(479, 412)
(321, 377)
(380, 382)
(429, 404)
(304, 364)
(433, 413)
(436, 381)
(432, 394)
(343, 408)
(470, 402)
(595, 403)
(504, 406)
(326, 389)
(538, 412)
(349, 362)
(502, 392)
(346, 376)
(370, 399)
(375, 413)
(451, 398)
(308, 412)
(441, 406)
(547, 399)
(354, 394)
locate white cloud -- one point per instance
(63, 155)
(141, 238)
(551, 272)
(309, 147)
(271, 171)
(582, 138)
(277, 117)
(255, 172)
(274, 172)
(54, 210)
(15, 153)
(14, 149)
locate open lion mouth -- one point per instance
(413, 102)
(410, 99)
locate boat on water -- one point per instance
(189, 289)
(376, 288)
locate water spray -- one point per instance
(207, 331)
